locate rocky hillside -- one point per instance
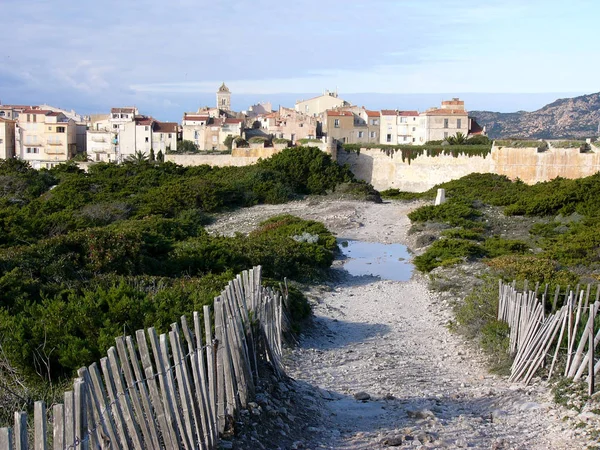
(574, 118)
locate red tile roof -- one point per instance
(16, 107)
(395, 112)
(233, 120)
(2, 120)
(372, 113)
(446, 112)
(338, 113)
(143, 120)
(194, 117)
(453, 102)
(45, 112)
(166, 127)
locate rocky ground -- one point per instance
(378, 368)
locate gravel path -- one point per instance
(387, 371)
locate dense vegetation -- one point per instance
(85, 257)
(410, 152)
(557, 230)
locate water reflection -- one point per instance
(387, 261)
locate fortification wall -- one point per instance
(212, 160)
(533, 166)
(387, 170)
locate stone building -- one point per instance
(224, 98)
(399, 127)
(318, 105)
(7, 138)
(437, 124)
(46, 137)
(286, 123)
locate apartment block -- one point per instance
(46, 137)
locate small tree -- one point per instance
(160, 157)
(137, 158)
(152, 156)
(458, 139)
(228, 142)
(187, 146)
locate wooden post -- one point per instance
(81, 436)
(69, 418)
(21, 431)
(6, 439)
(556, 294)
(41, 426)
(108, 438)
(116, 407)
(591, 372)
(58, 427)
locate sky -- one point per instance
(170, 57)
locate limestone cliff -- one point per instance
(566, 118)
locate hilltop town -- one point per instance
(45, 135)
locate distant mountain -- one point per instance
(566, 118)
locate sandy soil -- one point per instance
(381, 368)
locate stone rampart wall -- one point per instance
(387, 170)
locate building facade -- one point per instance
(437, 124)
(7, 138)
(318, 105)
(47, 138)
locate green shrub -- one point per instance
(397, 194)
(447, 252)
(454, 212)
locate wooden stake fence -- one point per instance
(534, 333)
(173, 391)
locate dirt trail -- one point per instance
(387, 343)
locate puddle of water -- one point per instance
(387, 261)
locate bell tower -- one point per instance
(224, 98)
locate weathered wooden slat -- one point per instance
(559, 341)
(211, 362)
(166, 361)
(160, 402)
(235, 349)
(555, 301)
(585, 362)
(40, 426)
(125, 399)
(189, 410)
(582, 343)
(21, 431)
(116, 406)
(81, 434)
(94, 412)
(573, 336)
(108, 436)
(69, 422)
(199, 378)
(591, 348)
(143, 392)
(6, 439)
(58, 427)
(134, 396)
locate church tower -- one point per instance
(224, 98)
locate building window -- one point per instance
(122, 116)
(414, 129)
(306, 108)
(2, 113)
(336, 123)
(1, 141)
(195, 135)
(146, 128)
(146, 139)
(49, 128)
(169, 135)
(60, 129)
(115, 116)
(33, 150)
(361, 134)
(402, 119)
(115, 126)
(446, 124)
(372, 134)
(458, 123)
(214, 139)
(374, 121)
(414, 139)
(388, 138)
(35, 117)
